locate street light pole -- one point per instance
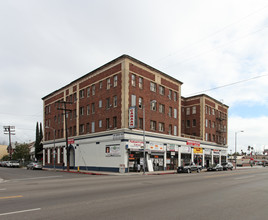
(144, 142)
(236, 146)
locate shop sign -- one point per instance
(207, 151)
(185, 149)
(193, 143)
(118, 136)
(171, 147)
(224, 153)
(132, 117)
(112, 151)
(198, 150)
(70, 141)
(135, 144)
(216, 152)
(156, 147)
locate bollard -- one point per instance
(78, 168)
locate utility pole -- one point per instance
(65, 110)
(10, 130)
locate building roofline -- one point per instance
(124, 56)
(207, 96)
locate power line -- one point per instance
(212, 34)
(226, 85)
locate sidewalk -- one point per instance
(166, 172)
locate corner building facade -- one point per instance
(112, 111)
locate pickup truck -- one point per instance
(189, 168)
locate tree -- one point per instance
(5, 158)
(21, 152)
(38, 140)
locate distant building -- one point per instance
(106, 112)
(204, 118)
(3, 151)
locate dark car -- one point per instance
(227, 166)
(34, 166)
(189, 168)
(215, 167)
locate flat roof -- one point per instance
(124, 56)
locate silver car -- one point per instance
(34, 166)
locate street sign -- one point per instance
(70, 141)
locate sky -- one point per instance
(217, 47)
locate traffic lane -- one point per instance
(146, 188)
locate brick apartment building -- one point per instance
(105, 121)
(204, 118)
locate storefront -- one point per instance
(156, 156)
(198, 156)
(208, 157)
(172, 157)
(186, 155)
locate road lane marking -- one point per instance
(244, 177)
(16, 212)
(11, 197)
(36, 178)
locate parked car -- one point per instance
(189, 168)
(227, 166)
(215, 167)
(34, 166)
(15, 163)
(8, 164)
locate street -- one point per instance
(34, 194)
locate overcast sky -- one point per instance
(217, 47)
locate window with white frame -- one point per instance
(93, 90)
(153, 125)
(188, 111)
(153, 106)
(88, 91)
(161, 90)
(133, 100)
(161, 108)
(82, 93)
(140, 82)
(140, 102)
(81, 110)
(175, 113)
(115, 80)
(175, 96)
(108, 83)
(194, 110)
(100, 103)
(170, 94)
(161, 126)
(153, 86)
(175, 130)
(206, 123)
(115, 101)
(100, 123)
(100, 84)
(133, 80)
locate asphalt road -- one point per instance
(240, 194)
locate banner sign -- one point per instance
(198, 150)
(171, 147)
(185, 149)
(156, 147)
(193, 143)
(70, 141)
(132, 117)
(112, 150)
